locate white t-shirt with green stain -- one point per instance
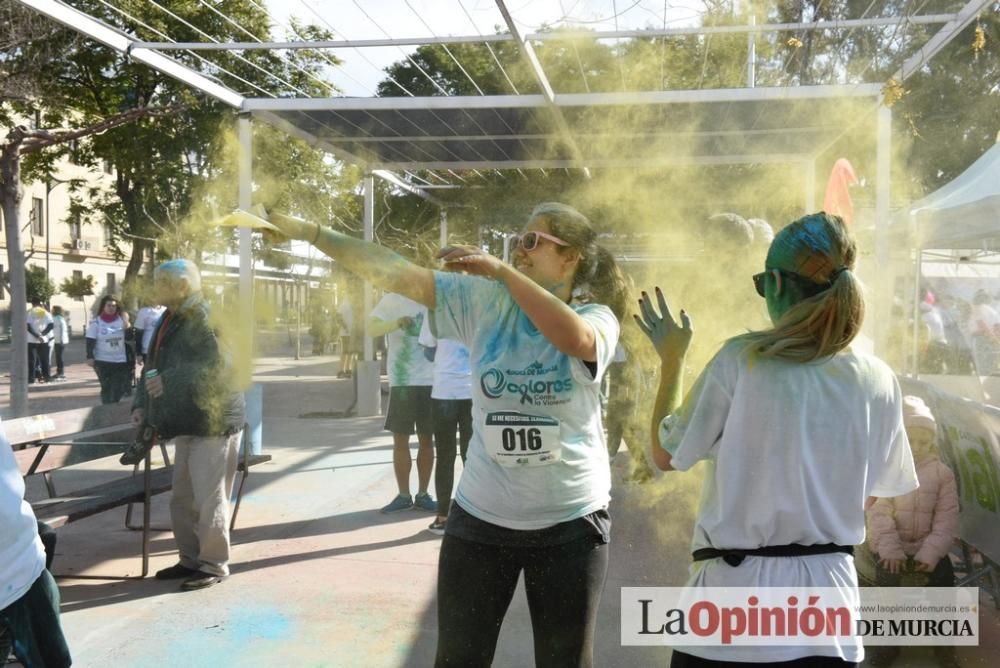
(521, 383)
(792, 452)
(407, 365)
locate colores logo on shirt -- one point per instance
(533, 385)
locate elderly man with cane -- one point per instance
(188, 394)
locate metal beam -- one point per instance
(617, 162)
(564, 100)
(591, 135)
(528, 53)
(112, 37)
(322, 44)
(844, 24)
(556, 35)
(395, 180)
(940, 39)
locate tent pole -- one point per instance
(883, 173)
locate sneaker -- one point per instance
(201, 580)
(175, 572)
(437, 527)
(423, 501)
(401, 502)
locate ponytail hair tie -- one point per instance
(835, 274)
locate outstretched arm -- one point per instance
(558, 323)
(386, 269)
(671, 340)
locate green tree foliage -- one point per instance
(38, 286)
(77, 287)
(161, 163)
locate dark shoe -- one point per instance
(175, 572)
(437, 527)
(423, 501)
(399, 503)
(201, 580)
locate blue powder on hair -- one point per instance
(792, 247)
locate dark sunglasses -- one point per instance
(808, 288)
(529, 240)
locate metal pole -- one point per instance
(883, 173)
(809, 166)
(298, 321)
(752, 55)
(245, 202)
(915, 348)
(368, 183)
(48, 189)
(444, 228)
(368, 378)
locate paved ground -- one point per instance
(320, 578)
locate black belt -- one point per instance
(736, 557)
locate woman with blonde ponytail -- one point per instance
(798, 431)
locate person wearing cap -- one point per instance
(912, 534)
(187, 393)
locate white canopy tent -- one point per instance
(955, 233)
(394, 137)
(965, 212)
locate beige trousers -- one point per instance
(204, 470)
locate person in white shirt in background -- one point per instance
(451, 412)
(40, 326)
(799, 433)
(106, 351)
(984, 325)
(60, 339)
(145, 325)
(411, 376)
(29, 597)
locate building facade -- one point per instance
(52, 240)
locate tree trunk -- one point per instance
(10, 199)
(135, 261)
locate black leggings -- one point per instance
(476, 583)
(451, 416)
(682, 660)
(115, 380)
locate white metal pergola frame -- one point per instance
(549, 102)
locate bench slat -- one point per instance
(52, 426)
(93, 500)
(253, 460)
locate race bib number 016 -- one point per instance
(516, 439)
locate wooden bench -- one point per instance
(96, 430)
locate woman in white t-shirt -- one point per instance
(106, 351)
(797, 430)
(534, 493)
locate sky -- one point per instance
(377, 19)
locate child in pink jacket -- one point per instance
(911, 535)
